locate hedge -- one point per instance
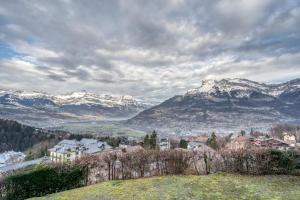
(44, 180)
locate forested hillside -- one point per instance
(18, 137)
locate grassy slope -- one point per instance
(217, 186)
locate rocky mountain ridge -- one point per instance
(225, 105)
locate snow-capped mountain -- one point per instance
(225, 105)
(78, 98)
(42, 109)
(243, 88)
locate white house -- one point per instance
(164, 144)
(65, 151)
(92, 146)
(70, 150)
(290, 139)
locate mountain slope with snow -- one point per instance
(42, 109)
(225, 105)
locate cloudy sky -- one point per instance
(144, 48)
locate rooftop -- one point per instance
(21, 165)
(85, 145)
(11, 157)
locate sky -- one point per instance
(148, 49)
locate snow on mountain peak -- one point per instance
(75, 98)
(207, 85)
(224, 85)
(243, 87)
(91, 98)
(127, 97)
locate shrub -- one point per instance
(44, 180)
(259, 161)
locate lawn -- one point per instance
(216, 186)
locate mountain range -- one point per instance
(225, 105)
(41, 109)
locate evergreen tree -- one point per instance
(243, 133)
(212, 141)
(146, 141)
(183, 144)
(153, 139)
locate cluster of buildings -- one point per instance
(70, 150)
(265, 142)
(67, 151)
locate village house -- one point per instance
(132, 144)
(164, 144)
(269, 143)
(246, 142)
(130, 141)
(238, 143)
(290, 139)
(70, 150)
(92, 146)
(196, 138)
(66, 150)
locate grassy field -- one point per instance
(217, 186)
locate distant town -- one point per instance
(69, 151)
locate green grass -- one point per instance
(217, 186)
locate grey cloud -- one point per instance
(147, 48)
(56, 77)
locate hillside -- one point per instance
(19, 137)
(225, 106)
(217, 186)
